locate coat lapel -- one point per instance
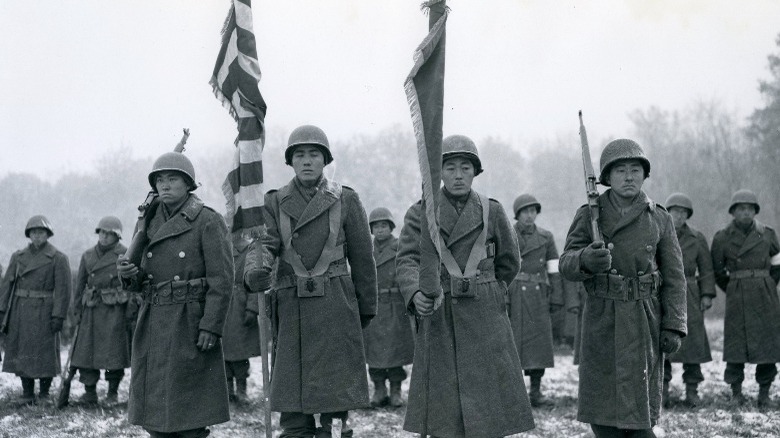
(291, 202)
(42, 258)
(319, 204)
(753, 238)
(108, 259)
(639, 206)
(180, 223)
(387, 253)
(469, 220)
(529, 242)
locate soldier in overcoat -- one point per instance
(534, 295)
(635, 307)
(177, 385)
(241, 335)
(389, 340)
(700, 285)
(34, 297)
(324, 291)
(467, 380)
(103, 311)
(746, 259)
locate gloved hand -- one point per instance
(56, 324)
(422, 303)
(257, 280)
(706, 303)
(126, 269)
(250, 318)
(206, 340)
(365, 320)
(670, 341)
(595, 258)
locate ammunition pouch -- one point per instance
(620, 288)
(175, 292)
(29, 293)
(108, 296)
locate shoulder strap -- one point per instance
(330, 252)
(478, 251)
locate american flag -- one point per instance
(235, 79)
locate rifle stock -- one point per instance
(590, 184)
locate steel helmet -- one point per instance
(381, 214)
(38, 221)
(461, 146)
(525, 200)
(110, 224)
(621, 149)
(173, 161)
(308, 135)
(679, 200)
(744, 196)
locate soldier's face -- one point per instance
(679, 216)
(744, 213)
(457, 174)
(38, 236)
(107, 238)
(527, 216)
(171, 187)
(381, 230)
(626, 178)
(308, 162)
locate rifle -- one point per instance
(11, 301)
(590, 184)
(266, 301)
(68, 373)
(140, 239)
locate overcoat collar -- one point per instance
(529, 242)
(387, 253)
(41, 258)
(160, 229)
(641, 204)
(293, 204)
(96, 262)
(454, 227)
(751, 239)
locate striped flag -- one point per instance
(425, 94)
(235, 79)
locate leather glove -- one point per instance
(670, 341)
(595, 258)
(257, 280)
(250, 318)
(706, 303)
(56, 324)
(126, 269)
(365, 320)
(206, 340)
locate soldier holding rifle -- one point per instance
(625, 251)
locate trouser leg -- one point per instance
(88, 376)
(326, 423)
(692, 374)
(734, 374)
(296, 425)
(766, 373)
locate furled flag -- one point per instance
(425, 94)
(234, 82)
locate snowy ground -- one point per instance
(717, 418)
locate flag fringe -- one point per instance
(426, 6)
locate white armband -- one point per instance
(552, 266)
(775, 261)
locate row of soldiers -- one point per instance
(327, 280)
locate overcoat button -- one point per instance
(150, 276)
(541, 260)
(640, 273)
(613, 271)
(295, 235)
(454, 301)
(537, 287)
(181, 254)
(523, 288)
(93, 274)
(649, 248)
(149, 255)
(176, 278)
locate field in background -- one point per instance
(716, 418)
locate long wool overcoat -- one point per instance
(530, 300)
(751, 331)
(469, 382)
(103, 339)
(320, 363)
(31, 349)
(700, 283)
(389, 339)
(239, 341)
(174, 385)
(621, 364)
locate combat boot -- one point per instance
(28, 391)
(538, 400)
(395, 395)
(90, 396)
(380, 397)
(736, 394)
(241, 390)
(763, 396)
(692, 399)
(43, 391)
(667, 403)
(231, 390)
(113, 391)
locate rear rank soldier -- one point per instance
(389, 339)
(34, 297)
(103, 312)
(635, 309)
(746, 259)
(700, 281)
(534, 294)
(324, 290)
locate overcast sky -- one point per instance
(80, 77)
